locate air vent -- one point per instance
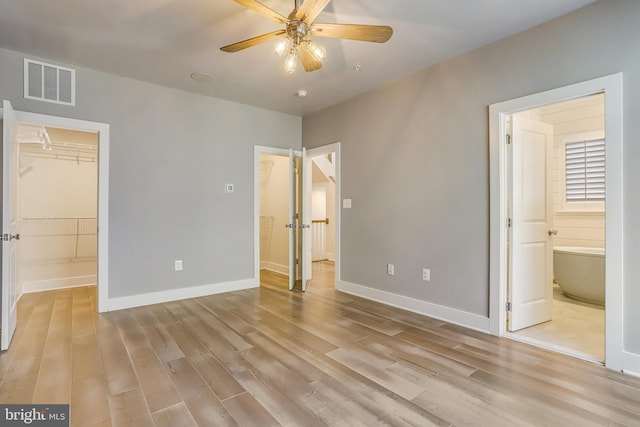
(49, 83)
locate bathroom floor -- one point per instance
(576, 325)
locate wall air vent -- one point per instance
(49, 83)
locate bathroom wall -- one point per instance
(582, 226)
(57, 208)
(274, 213)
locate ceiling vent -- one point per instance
(49, 83)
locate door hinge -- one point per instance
(508, 222)
(507, 306)
(508, 139)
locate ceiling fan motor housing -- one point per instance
(297, 30)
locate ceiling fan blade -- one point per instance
(366, 33)
(308, 61)
(263, 10)
(310, 10)
(252, 41)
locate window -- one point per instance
(585, 172)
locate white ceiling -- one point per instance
(164, 41)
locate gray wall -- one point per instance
(415, 157)
(171, 153)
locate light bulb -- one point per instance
(282, 46)
(316, 51)
(291, 61)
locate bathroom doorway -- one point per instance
(557, 236)
(501, 222)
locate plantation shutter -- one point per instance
(585, 173)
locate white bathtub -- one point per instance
(580, 272)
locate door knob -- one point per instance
(553, 232)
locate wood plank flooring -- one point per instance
(270, 357)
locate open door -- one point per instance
(299, 222)
(10, 234)
(531, 245)
(292, 225)
(306, 218)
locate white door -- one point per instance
(531, 272)
(9, 223)
(292, 220)
(299, 221)
(305, 226)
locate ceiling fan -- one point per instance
(299, 26)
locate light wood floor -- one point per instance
(268, 356)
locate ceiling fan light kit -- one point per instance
(299, 25)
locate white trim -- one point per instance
(272, 266)
(631, 363)
(140, 300)
(61, 283)
(612, 86)
(441, 312)
(103, 189)
(319, 151)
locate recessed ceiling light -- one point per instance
(202, 77)
(301, 93)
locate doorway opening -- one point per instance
(289, 187)
(323, 218)
(83, 238)
(274, 217)
(515, 236)
(556, 283)
(57, 208)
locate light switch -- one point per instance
(346, 203)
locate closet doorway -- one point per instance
(12, 120)
(275, 197)
(57, 208)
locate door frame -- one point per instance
(612, 87)
(319, 151)
(102, 129)
(258, 150)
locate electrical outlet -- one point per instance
(177, 265)
(426, 274)
(390, 269)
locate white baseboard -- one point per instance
(631, 363)
(278, 268)
(51, 284)
(447, 314)
(139, 300)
